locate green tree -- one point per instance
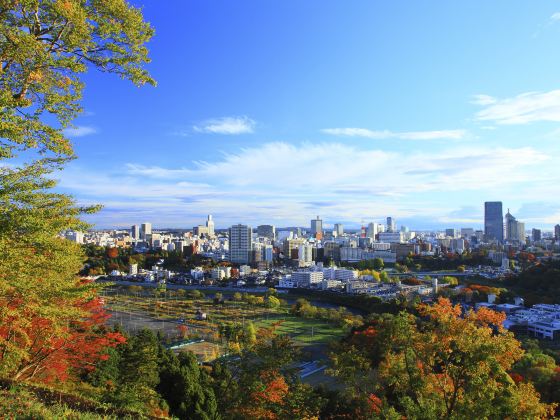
(378, 264)
(138, 373)
(45, 46)
(186, 388)
(384, 277)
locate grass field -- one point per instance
(175, 317)
(304, 331)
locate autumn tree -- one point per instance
(45, 46)
(444, 364)
(262, 384)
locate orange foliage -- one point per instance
(112, 252)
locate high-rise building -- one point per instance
(210, 225)
(493, 221)
(317, 228)
(339, 229)
(451, 233)
(536, 234)
(145, 230)
(372, 230)
(391, 224)
(266, 231)
(557, 232)
(240, 244)
(135, 232)
(515, 231)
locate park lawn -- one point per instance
(305, 331)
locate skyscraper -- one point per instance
(317, 228)
(210, 225)
(145, 230)
(515, 231)
(339, 229)
(493, 221)
(557, 232)
(240, 244)
(135, 232)
(536, 235)
(373, 230)
(391, 224)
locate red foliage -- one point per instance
(78, 348)
(517, 378)
(375, 403)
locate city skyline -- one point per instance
(351, 113)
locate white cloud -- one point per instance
(331, 179)
(522, 109)
(555, 17)
(483, 100)
(226, 125)
(386, 134)
(79, 131)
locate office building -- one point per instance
(391, 237)
(240, 244)
(338, 229)
(536, 234)
(135, 232)
(210, 226)
(515, 231)
(307, 278)
(451, 233)
(391, 225)
(145, 231)
(557, 232)
(493, 221)
(372, 230)
(317, 228)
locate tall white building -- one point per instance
(240, 244)
(372, 230)
(210, 225)
(145, 229)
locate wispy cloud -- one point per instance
(373, 183)
(79, 131)
(521, 109)
(226, 125)
(555, 17)
(483, 100)
(386, 134)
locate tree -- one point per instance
(384, 277)
(44, 47)
(378, 263)
(272, 302)
(186, 388)
(443, 365)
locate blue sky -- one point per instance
(276, 111)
